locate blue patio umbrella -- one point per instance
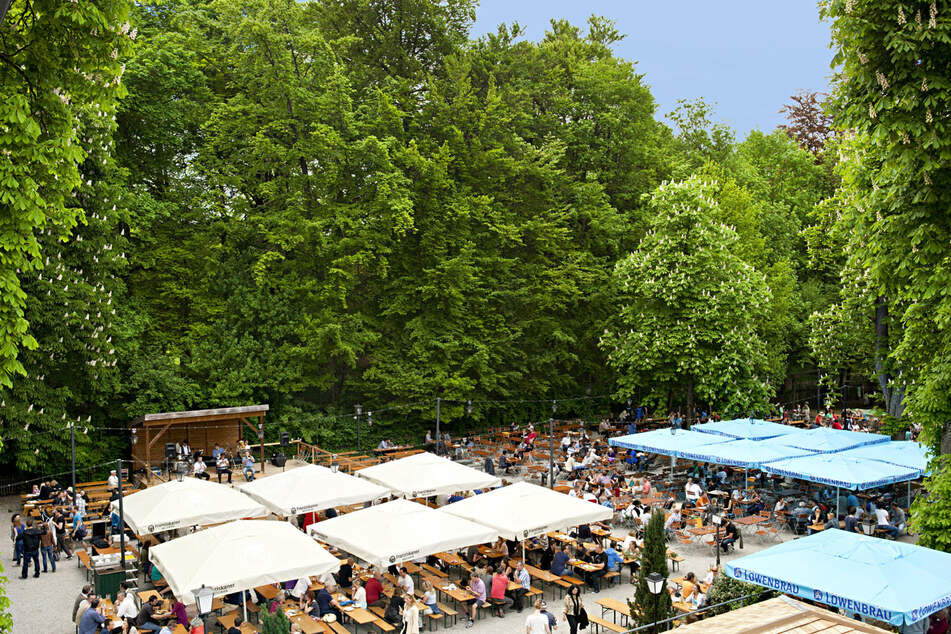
(890, 581)
(904, 453)
(676, 443)
(825, 440)
(841, 471)
(751, 428)
(750, 454)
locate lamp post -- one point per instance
(868, 526)
(72, 444)
(551, 445)
(121, 514)
(359, 410)
(717, 519)
(438, 402)
(655, 582)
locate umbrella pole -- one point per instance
(671, 478)
(244, 604)
(837, 503)
(523, 553)
(908, 482)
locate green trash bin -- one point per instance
(107, 581)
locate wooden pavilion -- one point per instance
(201, 429)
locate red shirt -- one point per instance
(499, 584)
(836, 425)
(373, 589)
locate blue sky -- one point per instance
(747, 57)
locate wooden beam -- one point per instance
(159, 435)
(261, 439)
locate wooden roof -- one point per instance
(201, 415)
(781, 615)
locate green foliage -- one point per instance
(689, 309)
(647, 607)
(276, 623)
(725, 589)
(931, 513)
(60, 65)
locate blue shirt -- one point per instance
(851, 500)
(323, 601)
(632, 428)
(77, 520)
(614, 559)
(454, 498)
(90, 621)
(558, 563)
(217, 452)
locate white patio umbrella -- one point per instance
(399, 531)
(522, 510)
(239, 555)
(311, 488)
(191, 502)
(425, 474)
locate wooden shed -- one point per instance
(201, 429)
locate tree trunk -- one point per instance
(4, 7)
(894, 396)
(690, 405)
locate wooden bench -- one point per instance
(675, 560)
(383, 625)
(611, 575)
(433, 571)
(597, 621)
(82, 559)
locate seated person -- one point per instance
(326, 604)
(703, 501)
(560, 560)
(476, 589)
(394, 610)
(689, 586)
(692, 493)
(500, 584)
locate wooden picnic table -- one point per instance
(561, 537)
(226, 621)
(268, 591)
(450, 559)
(618, 607)
(702, 530)
(683, 606)
(749, 520)
(457, 594)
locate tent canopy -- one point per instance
(239, 555)
(523, 510)
(682, 443)
(311, 488)
(825, 440)
(904, 453)
(841, 471)
(889, 581)
(397, 531)
(749, 454)
(751, 428)
(426, 474)
(191, 502)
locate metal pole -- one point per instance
(121, 518)
(671, 478)
(72, 442)
(837, 504)
(908, 482)
(551, 456)
(818, 390)
(358, 434)
(437, 425)
(244, 602)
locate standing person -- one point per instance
(574, 609)
(16, 536)
(538, 622)
(31, 549)
(410, 614)
(46, 548)
(62, 539)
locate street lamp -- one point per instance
(359, 410)
(868, 526)
(655, 582)
(181, 470)
(204, 597)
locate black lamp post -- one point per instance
(717, 520)
(551, 446)
(359, 410)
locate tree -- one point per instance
(809, 123)
(60, 66)
(727, 589)
(931, 513)
(689, 308)
(892, 94)
(276, 623)
(647, 607)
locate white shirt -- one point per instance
(360, 598)
(566, 442)
(570, 463)
(127, 608)
(692, 491)
(882, 516)
(406, 582)
(536, 623)
(198, 467)
(113, 481)
(573, 492)
(301, 587)
(673, 518)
